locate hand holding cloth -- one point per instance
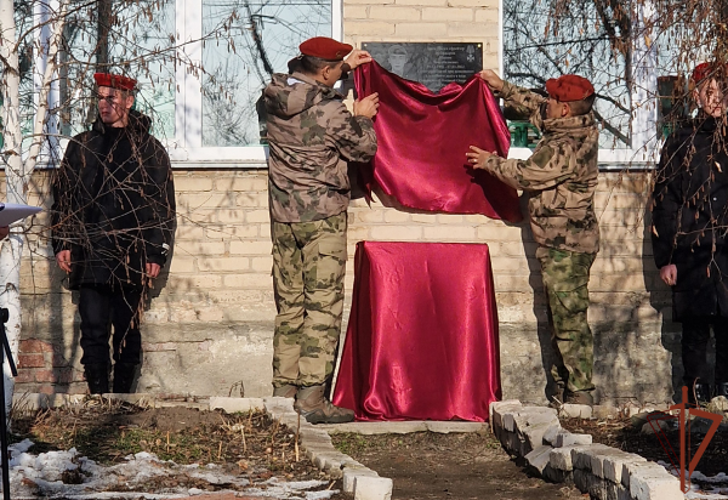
(421, 138)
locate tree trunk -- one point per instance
(103, 25)
(643, 79)
(16, 182)
(17, 171)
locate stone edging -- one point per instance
(358, 479)
(364, 483)
(535, 434)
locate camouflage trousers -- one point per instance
(309, 262)
(566, 278)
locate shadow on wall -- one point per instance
(49, 367)
(633, 349)
(219, 302)
(633, 352)
(540, 304)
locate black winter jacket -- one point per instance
(690, 217)
(114, 204)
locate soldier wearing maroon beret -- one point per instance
(714, 70)
(312, 136)
(560, 178)
(112, 223)
(689, 241)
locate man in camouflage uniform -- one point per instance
(560, 177)
(311, 136)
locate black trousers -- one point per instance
(696, 334)
(102, 308)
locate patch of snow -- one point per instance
(275, 488)
(718, 484)
(319, 495)
(33, 476)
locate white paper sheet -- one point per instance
(10, 212)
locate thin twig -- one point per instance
(242, 433)
(298, 429)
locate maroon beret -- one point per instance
(706, 69)
(569, 88)
(114, 81)
(325, 48)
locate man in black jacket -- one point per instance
(112, 226)
(689, 223)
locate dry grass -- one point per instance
(250, 443)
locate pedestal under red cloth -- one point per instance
(422, 140)
(422, 341)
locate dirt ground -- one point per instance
(430, 466)
(246, 444)
(424, 466)
(474, 466)
(623, 434)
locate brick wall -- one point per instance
(208, 331)
(424, 21)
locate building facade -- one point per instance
(208, 329)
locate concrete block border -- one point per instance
(532, 433)
(535, 434)
(362, 482)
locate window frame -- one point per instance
(187, 145)
(643, 98)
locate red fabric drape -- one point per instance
(422, 340)
(423, 138)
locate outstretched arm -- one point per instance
(524, 101)
(541, 171)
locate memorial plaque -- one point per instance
(432, 64)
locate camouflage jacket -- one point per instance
(311, 134)
(560, 176)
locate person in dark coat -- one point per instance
(112, 224)
(689, 223)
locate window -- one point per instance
(602, 41)
(259, 38)
(535, 50)
(201, 65)
(239, 43)
(137, 44)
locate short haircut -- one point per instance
(582, 107)
(311, 65)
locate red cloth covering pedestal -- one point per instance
(422, 340)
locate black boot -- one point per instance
(124, 374)
(97, 378)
